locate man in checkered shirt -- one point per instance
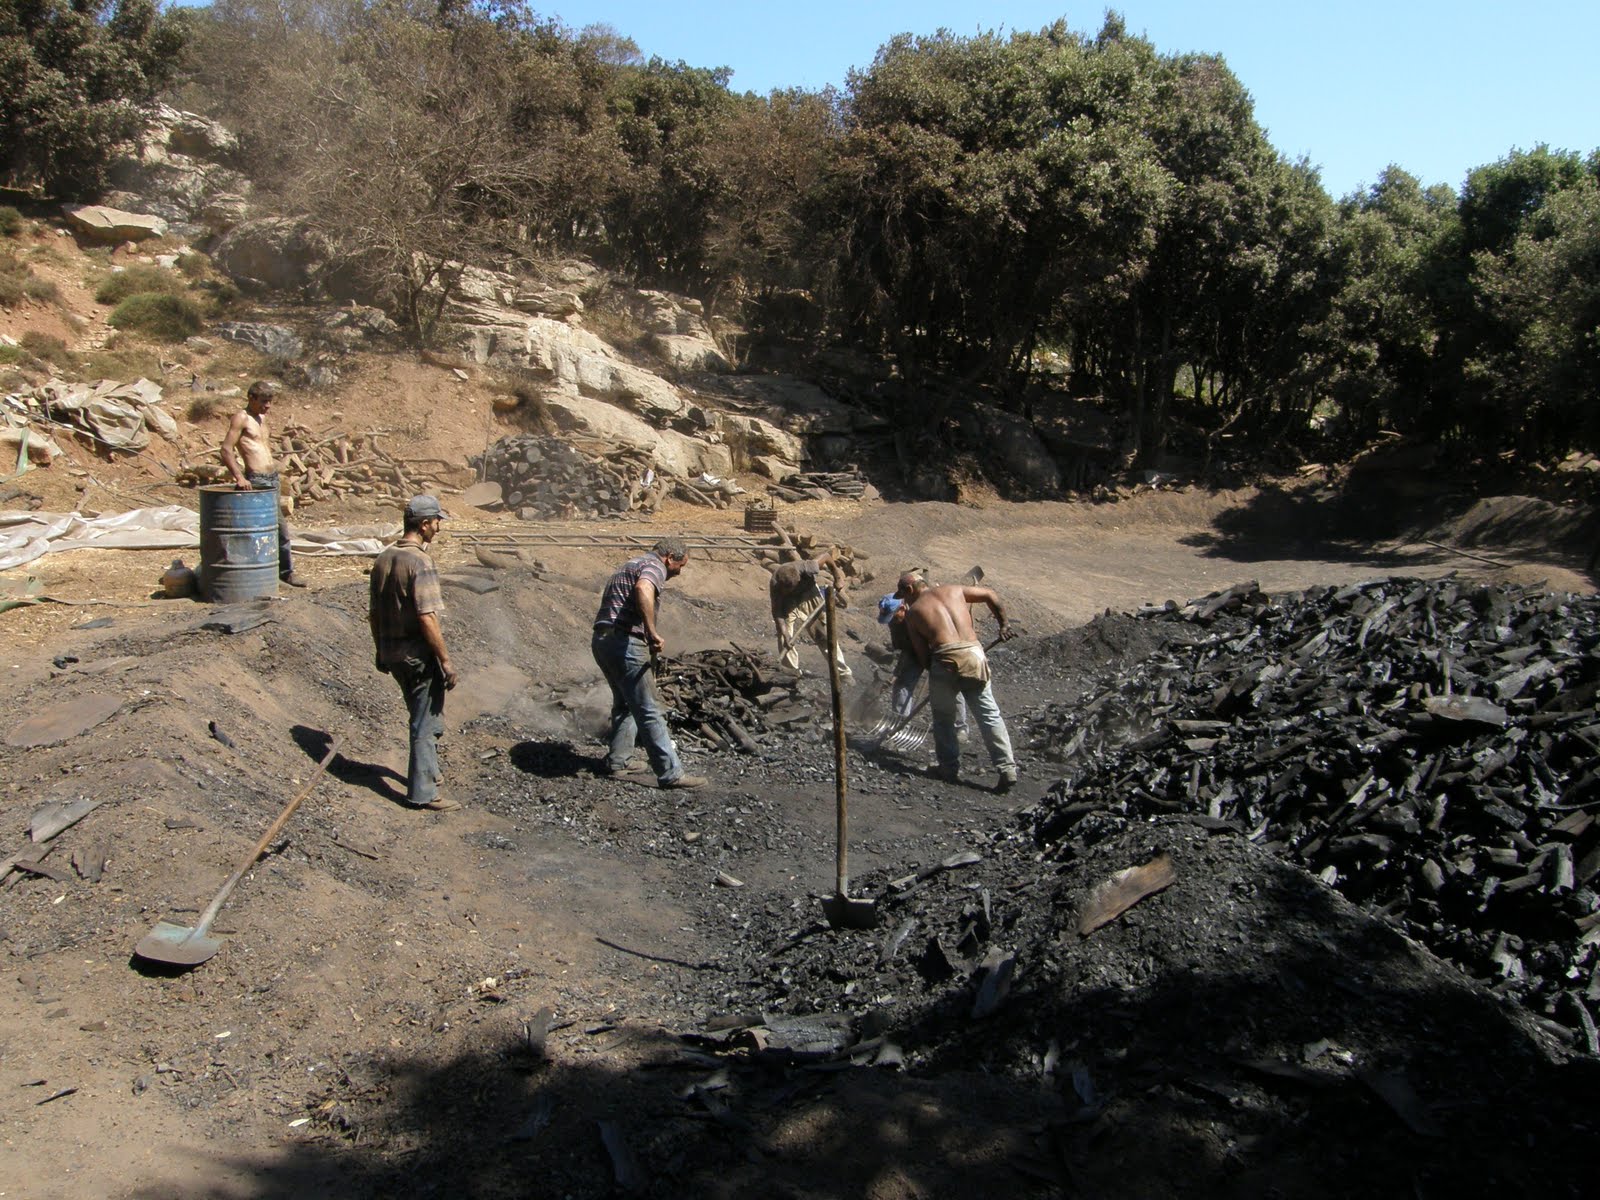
(403, 611)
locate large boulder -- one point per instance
(279, 253)
(1013, 442)
(575, 362)
(588, 389)
(113, 225)
(224, 211)
(190, 134)
(671, 452)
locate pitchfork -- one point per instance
(897, 733)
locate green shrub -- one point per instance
(136, 281)
(220, 293)
(194, 264)
(164, 317)
(43, 290)
(77, 74)
(47, 349)
(12, 222)
(11, 355)
(13, 279)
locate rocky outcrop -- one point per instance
(671, 452)
(176, 171)
(484, 297)
(678, 333)
(274, 341)
(589, 391)
(1014, 444)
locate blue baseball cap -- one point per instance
(887, 607)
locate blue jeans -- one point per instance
(635, 712)
(946, 690)
(423, 687)
(285, 559)
(903, 689)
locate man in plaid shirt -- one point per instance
(403, 611)
(625, 645)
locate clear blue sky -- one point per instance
(1436, 86)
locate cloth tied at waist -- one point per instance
(965, 660)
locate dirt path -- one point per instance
(381, 966)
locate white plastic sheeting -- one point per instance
(25, 536)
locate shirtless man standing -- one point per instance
(247, 453)
(939, 622)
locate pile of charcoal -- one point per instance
(733, 700)
(544, 478)
(1429, 748)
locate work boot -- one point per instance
(1007, 781)
(293, 579)
(685, 781)
(440, 805)
(945, 774)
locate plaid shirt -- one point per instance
(404, 587)
(619, 603)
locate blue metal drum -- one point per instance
(238, 543)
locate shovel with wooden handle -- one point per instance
(182, 946)
(842, 912)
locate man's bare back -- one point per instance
(940, 616)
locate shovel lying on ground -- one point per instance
(842, 912)
(181, 946)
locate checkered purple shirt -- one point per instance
(619, 605)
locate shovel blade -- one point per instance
(844, 913)
(178, 945)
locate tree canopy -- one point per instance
(969, 207)
(72, 76)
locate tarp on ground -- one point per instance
(117, 415)
(25, 536)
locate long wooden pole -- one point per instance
(842, 860)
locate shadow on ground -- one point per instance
(1344, 524)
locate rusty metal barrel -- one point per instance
(238, 543)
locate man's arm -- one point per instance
(372, 621)
(644, 595)
(230, 449)
(983, 595)
(428, 623)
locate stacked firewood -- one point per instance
(789, 545)
(329, 466)
(820, 485)
(543, 478)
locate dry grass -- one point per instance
(47, 349)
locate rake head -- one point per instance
(913, 735)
